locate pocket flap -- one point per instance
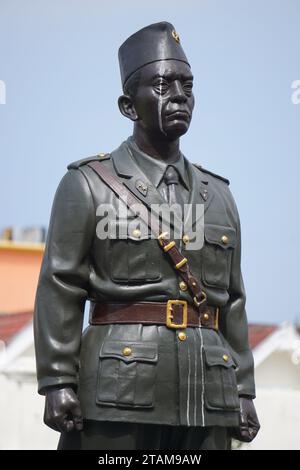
(129, 351)
(221, 235)
(134, 229)
(218, 356)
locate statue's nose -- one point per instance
(177, 92)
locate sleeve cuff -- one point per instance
(48, 382)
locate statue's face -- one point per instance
(164, 100)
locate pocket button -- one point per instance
(225, 239)
(127, 352)
(136, 233)
(183, 286)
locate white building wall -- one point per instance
(279, 415)
(21, 408)
(278, 402)
(21, 411)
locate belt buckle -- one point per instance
(169, 321)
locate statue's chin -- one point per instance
(176, 130)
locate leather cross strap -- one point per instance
(179, 262)
(154, 313)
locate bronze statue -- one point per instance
(165, 362)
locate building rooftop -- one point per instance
(259, 332)
(13, 323)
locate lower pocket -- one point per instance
(127, 374)
(221, 391)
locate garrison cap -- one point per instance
(158, 41)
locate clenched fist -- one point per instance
(249, 424)
(62, 410)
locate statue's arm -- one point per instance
(234, 328)
(62, 292)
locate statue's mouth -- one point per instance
(179, 115)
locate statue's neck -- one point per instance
(156, 147)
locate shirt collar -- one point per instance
(154, 168)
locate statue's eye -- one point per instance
(187, 87)
(161, 86)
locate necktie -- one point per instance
(171, 179)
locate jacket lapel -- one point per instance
(133, 177)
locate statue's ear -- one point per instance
(127, 107)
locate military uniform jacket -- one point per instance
(164, 380)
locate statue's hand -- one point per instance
(249, 424)
(62, 410)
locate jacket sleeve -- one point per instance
(63, 283)
(234, 324)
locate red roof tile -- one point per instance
(13, 323)
(257, 333)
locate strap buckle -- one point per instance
(169, 319)
(203, 299)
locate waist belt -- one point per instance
(173, 314)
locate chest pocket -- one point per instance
(216, 255)
(135, 256)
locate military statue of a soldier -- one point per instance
(165, 361)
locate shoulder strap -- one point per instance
(211, 173)
(83, 161)
(180, 263)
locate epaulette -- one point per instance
(211, 173)
(84, 161)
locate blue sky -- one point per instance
(58, 60)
